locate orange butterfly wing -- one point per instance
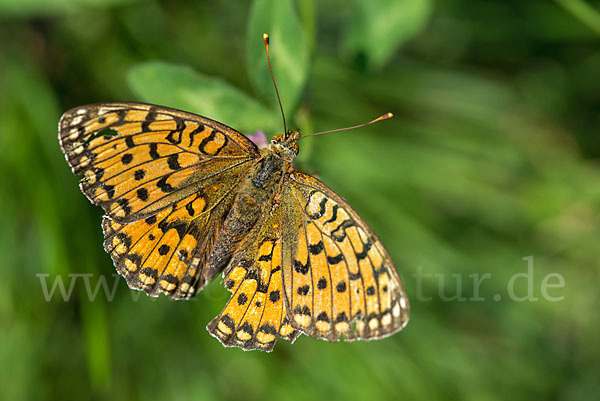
(338, 278)
(164, 178)
(255, 316)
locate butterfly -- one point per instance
(187, 198)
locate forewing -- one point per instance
(255, 315)
(138, 159)
(165, 179)
(338, 278)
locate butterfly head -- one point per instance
(285, 145)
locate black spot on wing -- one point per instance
(194, 133)
(322, 283)
(126, 158)
(150, 117)
(268, 329)
(173, 162)
(154, 151)
(303, 290)
(265, 258)
(242, 299)
(302, 310)
(139, 174)
(190, 209)
(300, 268)
(164, 225)
(323, 317)
(129, 141)
(316, 248)
(341, 317)
(205, 141)
(247, 328)
(124, 239)
(333, 217)
(142, 194)
(334, 260)
(110, 190)
(274, 296)
(318, 214)
(163, 185)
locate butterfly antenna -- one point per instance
(266, 40)
(380, 118)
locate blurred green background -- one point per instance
(492, 157)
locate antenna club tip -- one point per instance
(266, 38)
(383, 117)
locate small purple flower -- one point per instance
(259, 138)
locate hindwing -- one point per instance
(338, 278)
(255, 316)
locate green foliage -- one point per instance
(492, 157)
(32, 8)
(182, 88)
(288, 48)
(379, 27)
(585, 13)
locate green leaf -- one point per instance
(289, 52)
(182, 88)
(379, 27)
(584, 12)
